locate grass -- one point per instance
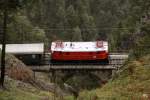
(22, 91)
(131, 83)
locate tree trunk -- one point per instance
(5, 14)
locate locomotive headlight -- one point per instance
(94, 57)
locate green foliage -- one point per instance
(96, 19)
(72, 17)
(20, 30)
(69, 98)
(76, 34)
(38, 35)
(62, 16)
(22, 91)
(90, 81)
(88, 27)
(13, 4)
(131, 82)
(131, 32)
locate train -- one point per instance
(79, 52)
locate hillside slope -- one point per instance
(132, 82)
(17, 90)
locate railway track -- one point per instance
(115, 62)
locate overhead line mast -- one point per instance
(5, 14)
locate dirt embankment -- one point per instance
(17, 70)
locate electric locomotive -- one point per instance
(79, 52)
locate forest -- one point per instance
(124, 23)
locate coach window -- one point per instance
(33, 56)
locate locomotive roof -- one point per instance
(79, 47)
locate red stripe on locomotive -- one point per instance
(79, 55)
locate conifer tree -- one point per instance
(87, 23)
(76, 34)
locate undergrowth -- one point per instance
(17, 90)
(131, 83)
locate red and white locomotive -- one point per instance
(79, 52)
